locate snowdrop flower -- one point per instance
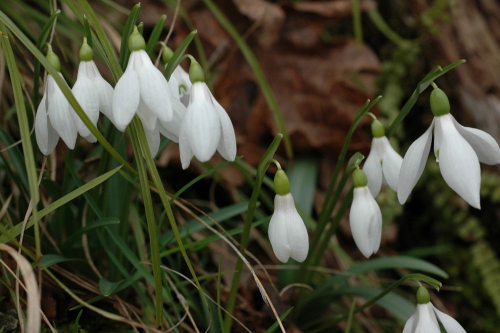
(142, 89)
(91, 91)
(53, 118)
(383, 163)
(424, 319)
(287, 232)
(206, 127)
(365, 217)
(458, 150)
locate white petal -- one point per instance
(227, 142)
(147, 117)
(154, 88)
(153, 138)
(450, 324)
(170, 129)
(366, 221)
(58, 110)
(297, 232)
(46, 135)
(126, 97)
(201, 124)
(88, 97)
(409, 325)
(413, 164)
(185, 148)
(484, 145)
(91, 138)
(427, 322)
(105, 93)
(391, 165)
(278, 232)
(373, 169)
(458, 162)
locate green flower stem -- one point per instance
(257, 70)
(109, 54)
(138, 146)
(29, 157)
(421, 86)
(325, 213)
(139, 131)
(384, 28)
(36, 64)
(252, 205)
(315, 257)
(356, 21)
(177, 57)
(88, 31)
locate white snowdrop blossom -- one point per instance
(383, 163)
(365, 217)
(425, 319)
(53, 118)
(458, 151)
(142, 90)
(206, 127)
(92, 92)
(287, 232)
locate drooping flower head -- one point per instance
(383, 163)
(53, 118)
(142, 89)
(287, 232)
(458, 151)
(206, 127)
(365, 217)
(425, 319)
(92, 92)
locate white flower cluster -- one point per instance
(458, 151)
(182, 111)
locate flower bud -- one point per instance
(86, 53)
(281, 183)
(440, 105)
(167, 53)
(423, 296)
(135, 41)
(378, 130)
(196, 72)
(53, 58)
(359, 178)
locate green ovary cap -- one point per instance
(423, 296)
(378, 130)
(53, 58)
(359, 178)
(167, 54)
(136, 42)
(196, 72)
(86, 53)
(440, 105)
(281, 183)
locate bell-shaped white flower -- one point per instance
(458, 150)
(287, 232)
(383, 163)
(142, 89)
(365, 217)
(425, 319)
(53, 118)
(206, 127)
(92, 92)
